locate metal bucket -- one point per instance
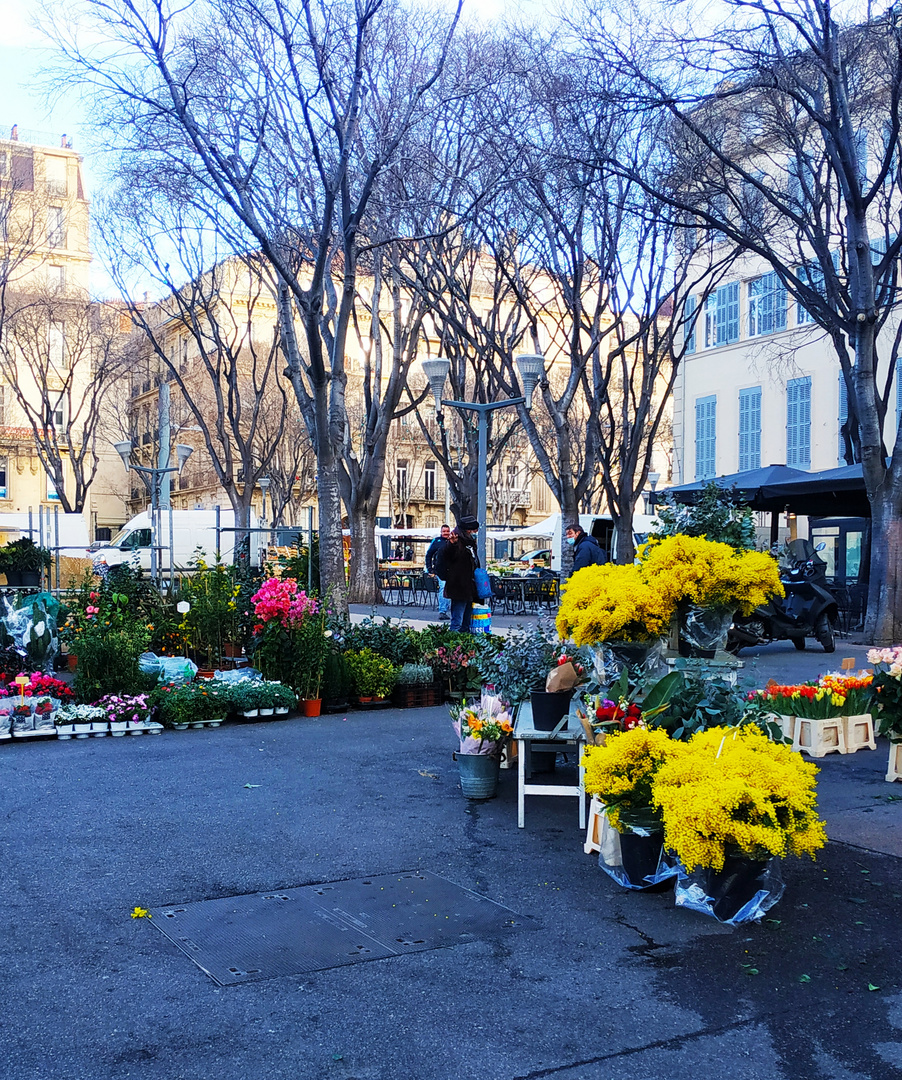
(478, 775)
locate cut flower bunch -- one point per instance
(733, 791)
(481, 728)
(830, 696)
(888, 691)
(638, 602)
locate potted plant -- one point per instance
(414, 686)
(620, 775)
(22, 561)
(482, 731)
(244, 697)
(266, 699)
(283, 698)
(76, 720)
(44, 711)
(23, 716)
(887, 699)
(374, 676)
(731, 802)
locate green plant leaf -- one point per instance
(872, 987)
(804, 978)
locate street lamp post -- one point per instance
(264, 483)
(182, 452)
(531, 368)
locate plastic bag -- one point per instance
(45, 721)
(32, 626)
(643, 660)
(705, 629)
(481, 619)
(22, 723)
(168, 669)
(238, 674)
(5, 722)
(635, 860)
(743, 891)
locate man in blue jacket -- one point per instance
(586, 549)
(444, 604)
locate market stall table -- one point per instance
(527, 736)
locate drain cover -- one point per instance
(264, 935)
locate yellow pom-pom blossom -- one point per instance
(736, 792)
(610, 603)
(709, 574)
(621, 772)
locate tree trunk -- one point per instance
(362, 588)
(884, 619)
(625, 546)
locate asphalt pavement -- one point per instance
(590, 982)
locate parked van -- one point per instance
(193, 533)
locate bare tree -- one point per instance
(60, 356)
(765, 151)
(282, 118)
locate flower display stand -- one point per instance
(818, 738)
(894, 772)
(787, 725)
(859, 732)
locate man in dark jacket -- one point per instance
(444, 605)
(586, 549)
(461, 561)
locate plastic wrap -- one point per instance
(743, 891)
(22, 723)
(704, 629)
(168, 669)
(635, 860)
(644, 660)
(238, 675)
(5, 721)
(33, 629)
(45, 721)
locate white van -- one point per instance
(191, 530)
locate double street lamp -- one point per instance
(182, 453)
(531, 368)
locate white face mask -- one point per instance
(571, 540)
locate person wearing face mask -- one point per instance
(586, 549)
(460, 562)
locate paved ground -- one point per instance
(606, 985)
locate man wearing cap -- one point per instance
(461, 561)
(586, 549)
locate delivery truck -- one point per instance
(193, 533)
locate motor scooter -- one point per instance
(807, 610)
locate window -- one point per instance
(3, 490)
(56, 277)
(812, 274)
(722, 316)
(513, 477)
(802, 184)
(56, 227)
(401, 480)
(56, 344)
(52, 493)
(429, 481)
(798, 422)
(705, 437)
(767, 305)
(844, 415)
(750, 428)
(55, 169)
(691, 305)
(539, 497)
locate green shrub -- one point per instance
(373, 675)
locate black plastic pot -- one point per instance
(735, 885)
(641, 856)
(549, 709)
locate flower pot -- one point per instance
(312, 706)
(13, 577)
(72, 661)
(100, 728)
(23, 721)
(249, 713)
(364, 700)
(479, 775)
(118, 727)
(82, 731)
(641, 856)
(282, 711)
(29, 578)
(205, 673)
(180, 727)
(153, 728)
(232, 650)
(731, 888)
(548, 709)
(65, 731)
(266, 712)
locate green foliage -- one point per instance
(296, 564)
(336, 677)
(23, 555)
(415, 675)
(212, 619)
(720, 515)
(695, 700)
(373, 675)
(398, 643)
(108, 661)
(521, 662)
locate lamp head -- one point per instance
(531, 367)
(182, 453)
(263, 484)
(653, 479)
(124, 450)
(436, 371)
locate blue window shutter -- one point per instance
(689, 315)
(844, 413)
(728, 313)
(705, 437)
(798, 422)
(750, 428)
(778, 295)
(899, 391)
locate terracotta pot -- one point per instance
(312, 706)
(205, 673)
(72, 661)
(232, 650)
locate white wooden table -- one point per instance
(527, 736)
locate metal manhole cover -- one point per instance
(265, 935)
